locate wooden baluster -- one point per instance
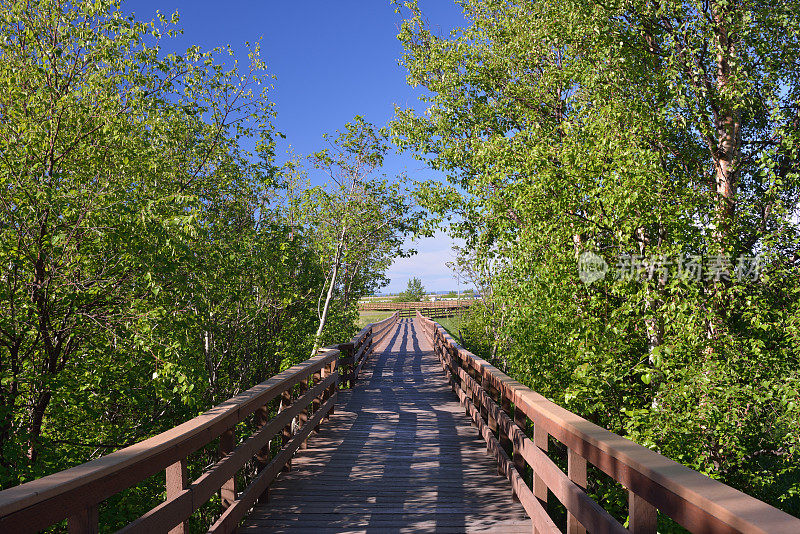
(487, 387)
(332, 368)
(346, 353)
(368, 350)
(177, 481)
(473, 393)
(642, 516)
(262, 456)
(455, 358)
(521, 420)
(286, 435)
(350, 373)
(455, 362)
(302, 417)
(227, 493)
(87, 521)
(576, 470)
(450, 364)
(319, 376)
(540, 440)
(503, 438)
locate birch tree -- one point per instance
(361, 216)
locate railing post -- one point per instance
(227, 493)
(346, 353)
(332, 389)
(475, 393)
(455, 363)
(87, 521)
(177, 480)
(317, 402)
(302, 417)
(486, 385)
(521, 420)
(503, 438)
(576, 471)
(642, 516)
(540, 439)
(323, 374)
(263, 455)
(286, 434)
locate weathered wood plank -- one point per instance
(399, 454)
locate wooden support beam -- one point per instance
(505, 441)
(303, 417)
(521, 420)
(642, 516)
(227, 493)
(87, 521)
(286, 434)
(177, 480)
(576, 471)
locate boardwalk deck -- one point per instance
(399, 455)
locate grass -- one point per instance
(366, 317)
(451, 324)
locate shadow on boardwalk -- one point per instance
(399, 455)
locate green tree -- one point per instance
(359, 217)
(151, 266)
(415, 291)
(653, 131)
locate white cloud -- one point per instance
(429, 265)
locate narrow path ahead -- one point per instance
(399, 455)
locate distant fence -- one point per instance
(434, 309)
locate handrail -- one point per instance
(436, 304)
(499, 404)
(357, 351)
(291, 404)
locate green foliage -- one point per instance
(357, 219)
(655, 130)
(415, 291)
(152, 267)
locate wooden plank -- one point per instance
(399, 443)
(642, 516)
(87, 521)
(234, 513)
(177, 479)
(576, 470)
(227, 491)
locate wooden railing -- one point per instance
(504, 412)
(284, 409)
(355, 352)
(436, 313)
(428, 305)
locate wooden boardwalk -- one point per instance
(399, 455)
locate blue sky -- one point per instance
(332, 60)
